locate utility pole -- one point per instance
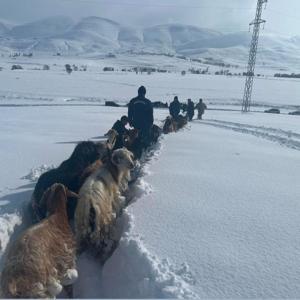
(252, 55)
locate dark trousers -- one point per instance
(143, 141)
(190, 115)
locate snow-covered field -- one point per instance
(55, 87)
(215, 214)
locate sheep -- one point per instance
(156, 132)
(100, 203)
(131, 141)
(173, 125)
(42, 260)
(170, 125)
(181, 121)
(112, 136)
(68, 173)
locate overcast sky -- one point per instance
(283, 16)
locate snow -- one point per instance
(231, 212)
(95, 35)
(215, 211)
(23, 86)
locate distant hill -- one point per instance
(3, 30)
(45, 28)
(99, 36)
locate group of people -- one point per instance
(176, 106)
(140, 116)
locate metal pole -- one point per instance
(252, 56)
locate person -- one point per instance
(190, 109)
(120, 128)
(201, 107)
(140, 115)
(174, 108)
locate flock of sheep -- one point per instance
(74, 208)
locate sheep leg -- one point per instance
(54, 288)
(103, 257)
(70, 277)
(69, 291)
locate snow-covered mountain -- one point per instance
(45, 28)
(3, 30)
(176, 36)
(99, 35)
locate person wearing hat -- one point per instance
(175, 108)
(201, 107)
(140, 115)
(190, 109)
(120, 128)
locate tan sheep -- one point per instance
(42, 260)
(100, 202)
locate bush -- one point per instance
(16, 67)
(108, 69)
(46, 68)
(272, 111)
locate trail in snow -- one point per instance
(132, 271)
(289, 139)
(168, 207)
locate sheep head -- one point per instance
(123, 159)
(111, 138)
(103, 150)
(131, 137)
(56, 197)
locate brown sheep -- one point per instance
(100, 203)
(170, 125)
(181, 121)
(111, 138)
(42, 260)
(156, 132)
(173, 125)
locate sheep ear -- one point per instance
(71, 194)
(110, 145)
(115, 159)
(45, 197)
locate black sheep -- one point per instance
(69, 173)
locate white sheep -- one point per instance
(100, 202)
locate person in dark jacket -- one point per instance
(190, 109)
(120, 128)
(201, 107)
(174, 108)
(140, 115)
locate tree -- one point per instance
(16, 67)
